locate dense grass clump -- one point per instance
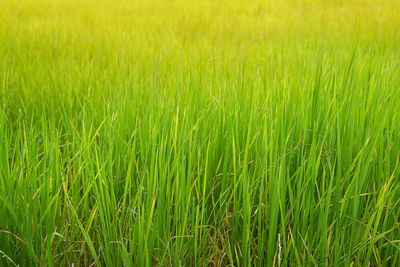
(175, 133)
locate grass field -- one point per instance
(199, 133)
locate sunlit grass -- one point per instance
(202, 133)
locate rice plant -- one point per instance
(199, 133)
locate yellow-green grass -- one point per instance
(192, 133)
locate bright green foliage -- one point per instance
(193, 133)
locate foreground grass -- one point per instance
(152, 133)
